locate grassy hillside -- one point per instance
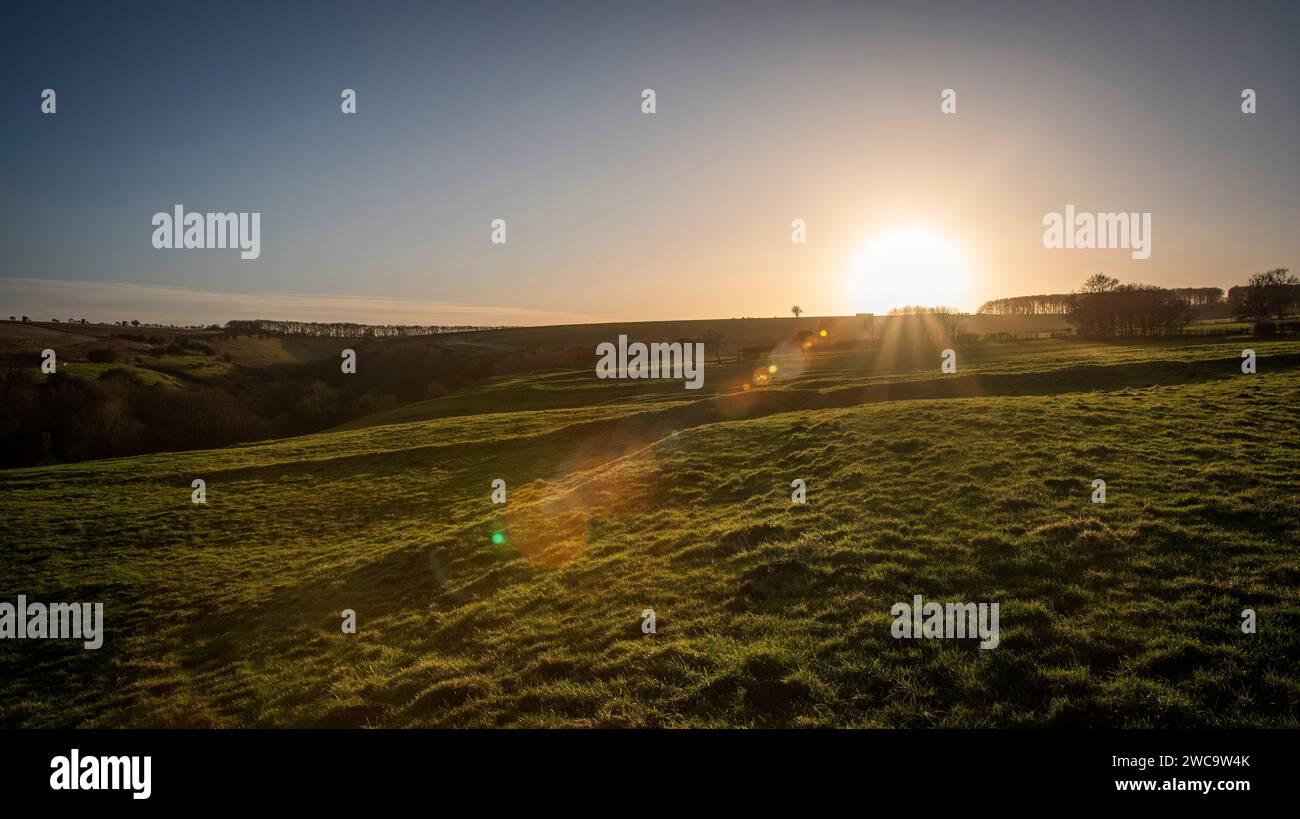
(625, 496)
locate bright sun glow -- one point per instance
(912, 265)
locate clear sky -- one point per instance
(531, 113)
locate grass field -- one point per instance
(631, 495)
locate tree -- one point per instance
(1271, 293)
(713, 341)
(1099, 283)
(1049, 304)
(797, 310)
(949, 321)
(1103, 307)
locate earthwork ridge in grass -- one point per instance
(628, 433)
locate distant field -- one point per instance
(738, 332)
(1045, 364)
(251, 351)
(632, 495)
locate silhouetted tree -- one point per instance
(1270, 293)
(1053, 304)
(1099, 283)
(1104, 307)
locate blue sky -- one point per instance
(531, 112)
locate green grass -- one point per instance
(145, 374)
(194, 367)
(251, 351)
(626, 496)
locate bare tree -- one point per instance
(797, 310)
(1099, 283)
(1271, 293)
(949, 321)
(713, 341)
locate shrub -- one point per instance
(103, 355)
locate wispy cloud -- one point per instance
(114, 301)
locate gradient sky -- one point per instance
(531, 112)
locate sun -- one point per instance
(912, 265)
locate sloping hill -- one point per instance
(768, 613)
